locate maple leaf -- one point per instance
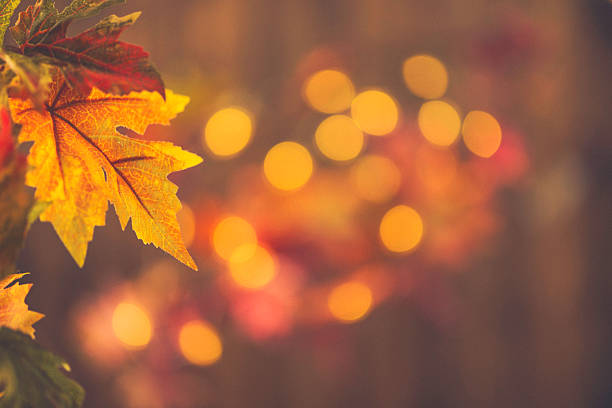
(14, 312)
(80, 161)
(94, 58)
(32, 376)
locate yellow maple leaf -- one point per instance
(14, 312)
(79, 162)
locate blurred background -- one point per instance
(403, 204)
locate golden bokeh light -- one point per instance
(288, 166)
(132, 325)
(439, 123)
(228, 131)
(375, 112)
(401, 229)
(425, 76)
(200, 343)
(329, 91)
(482, 134)
(375, 178)
(233, 233)
(339, 138)
(350, 301)
(186, 220)
(252, 271)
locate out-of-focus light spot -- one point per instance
(200, 343)
(425, 76)
(439, 123)
(401, 229)
(228, 131)
(329, 91)
(481, 133)
(252, 272)
(375, 178)
(375, 112)
(350, 301)
(186, 220)
(233, 233)
(262, 315)
(132, 325)
(288, 166)
(339, 138)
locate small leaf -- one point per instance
(80, 161)
(7, 8)
(14, 312)
(94, 58)
(32, 376)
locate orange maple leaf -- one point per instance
(14, 312)
(79, 162)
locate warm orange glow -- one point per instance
(375, 112)
(481, 133)
(375, 178)
(233, 233)
(350, 301)
(425, 76)
(439, 123)
(288, 166)
(186, 220)
(436, 168)
(200, 343)
(329, 91)
(228, 131)
(339, 138)
(132, 325)
(401, 229)
(254, 271)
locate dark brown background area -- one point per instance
(532, 323)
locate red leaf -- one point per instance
(94, 58)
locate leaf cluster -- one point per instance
(93, 58)
(68, 96)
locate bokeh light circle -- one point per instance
(439, 122)
(228, 131)
(375, 178)
(329, 91)
(375, 112)
(401, 229)
(233, 233)
(254, 271)
(339, 138)
(350, 301)
(132, 325)
(425, 76)
(200, 343)
(288, 166)
(482, 134)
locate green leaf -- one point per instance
(42, 20)
(33, 377)
(7, 8)
(85, 8)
